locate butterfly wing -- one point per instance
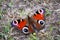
(36, 19)
(22, 24)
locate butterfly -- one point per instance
(29, 25)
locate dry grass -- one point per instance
(12, 9)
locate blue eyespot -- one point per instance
(41, 22)
(42, 10)
(25, 30)
(14, 23)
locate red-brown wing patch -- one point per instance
(38, 17)
(22, 24)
